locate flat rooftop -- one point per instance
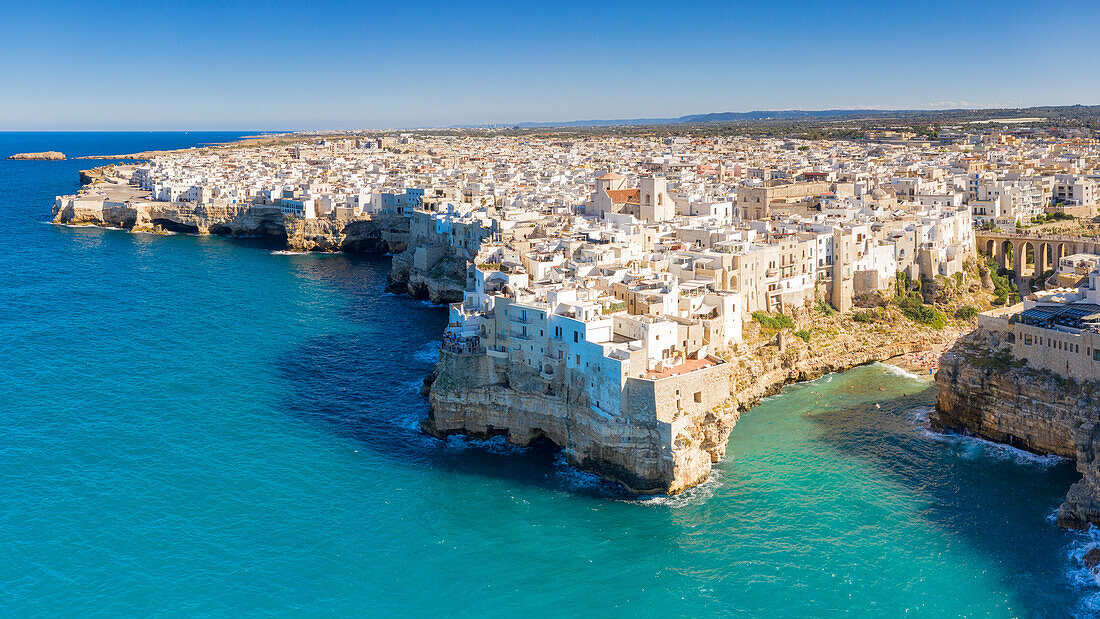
(687, 366)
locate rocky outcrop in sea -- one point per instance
(49, 155)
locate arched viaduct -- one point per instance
(1031, 255)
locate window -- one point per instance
(698, 396)
(576, 337)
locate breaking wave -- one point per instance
(972, 447)
(1083, 578)
(897, 371)
(692, 496)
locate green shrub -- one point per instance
(777, 322)
(1000, 360)
(804, 334)
(825, 308)
(966, 312)
(864, 316)
(917, 311)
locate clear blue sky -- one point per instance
(317, 64)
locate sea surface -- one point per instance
(199, 426)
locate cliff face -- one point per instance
(160, 217)
(645, 450)
(664, 451)
(374, 235)
(441, 279)
(1005, 401)
(379, 234)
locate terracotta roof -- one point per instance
(624, 196)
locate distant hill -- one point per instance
(928, 115)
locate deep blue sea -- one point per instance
(196, 426)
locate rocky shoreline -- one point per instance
(478, 396)
(1008, 402)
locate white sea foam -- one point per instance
(1084, 579)
(429, 352)
(287, 252)
(692, 496)
(574, 479)
(495, 445)
(898, 371)
(972, 447)
(86, 226)
(919, 416)
(410, 420)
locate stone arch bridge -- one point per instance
(1029, 255)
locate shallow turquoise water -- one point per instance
(196, 426)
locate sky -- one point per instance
(316, 64)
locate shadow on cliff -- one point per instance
(364, 384)
(973, 491)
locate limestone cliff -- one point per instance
(646, 449)
(481, 396)
(999, 398)
(439, 277)
(164, 217)
(378, 234)
(375, 234)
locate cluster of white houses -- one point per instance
(632, 256)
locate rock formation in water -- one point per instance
(49, 155)
(1002, 399)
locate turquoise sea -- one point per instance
(196, 426)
